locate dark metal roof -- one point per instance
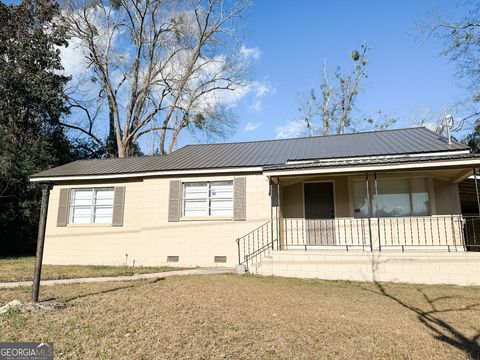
(267, 153)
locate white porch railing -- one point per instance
(426, 233)
(450, 233)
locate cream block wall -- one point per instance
(459, 268)
(146, 236)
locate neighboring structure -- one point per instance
(294, 207)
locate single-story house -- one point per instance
(380, 205)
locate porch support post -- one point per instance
(278, 214)
(274, 213)
(271, 210)
(476, 190)
(369, 212)
(378, 216)
(46, 187)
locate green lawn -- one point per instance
(21, 269)
(250, 317)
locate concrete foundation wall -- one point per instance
(459, 268)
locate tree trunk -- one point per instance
(111, 147)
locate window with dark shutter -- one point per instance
(174, 200)
(64, 198)
(118, 206)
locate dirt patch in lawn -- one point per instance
(247, 317)
(21, 269)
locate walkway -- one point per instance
(160, 275)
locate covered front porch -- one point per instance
(399, 209)
(395, 226)
(379, 211)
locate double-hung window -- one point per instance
(392, 198)
(209, 198)
(91, 206)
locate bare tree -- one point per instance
(327, 109)
(380, 121)
(461, 40)
(158, 66)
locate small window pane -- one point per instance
(196, 191)
(83, 197)
(221, 207)
(393, 198)
(81, 215)
(420, 199)
(197, 207)
(360, 204)
(103, 211)
(104, 197)
(221, 189)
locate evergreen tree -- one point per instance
(31, 104)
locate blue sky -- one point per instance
(292, 39)
(406, 72)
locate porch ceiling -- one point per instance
(449, 175)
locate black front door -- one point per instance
(319, 213)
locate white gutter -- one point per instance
(381, 157)
(147, 174)
(379, 167)
(327, 170)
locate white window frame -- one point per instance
(371, 184)
(208, 199)
(93, 206)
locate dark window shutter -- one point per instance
(118, 206)
(175, 200)
(63, 202)
(239, 199)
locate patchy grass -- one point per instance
(21, 269)
(248, 317)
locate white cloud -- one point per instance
(250, 53)
(250, 93)
(260, 89)
(73, 59)
(252, 126)
(291, 129)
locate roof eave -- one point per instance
(253, 169)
